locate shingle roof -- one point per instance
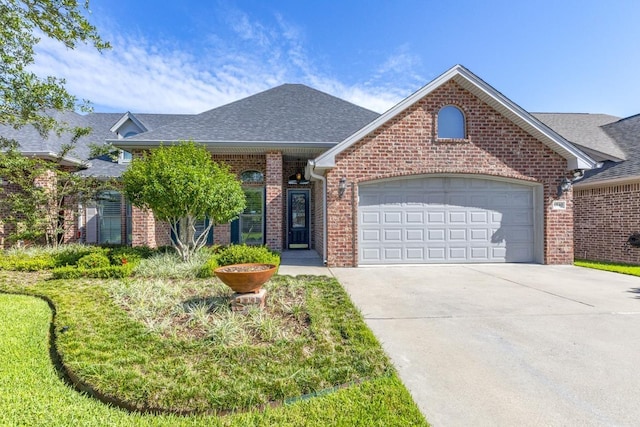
(585, 130)
(626, 133)
(286, 113)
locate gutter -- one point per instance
(310, 173)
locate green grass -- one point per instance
(633, 270)
(120, 357)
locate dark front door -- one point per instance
(298, 227)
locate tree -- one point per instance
(24, 97)
(41, 196)
(181, 184)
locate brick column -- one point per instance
(274, 201)
(143, 226)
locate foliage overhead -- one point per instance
(182, 184)
(26, 97)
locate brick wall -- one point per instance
(274, 201)
(605, 217)
(407, 146)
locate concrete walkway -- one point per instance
(508, 345)
(294, 263)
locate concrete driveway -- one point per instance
(507, 345)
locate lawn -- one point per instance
(633, 270)
(170, 345)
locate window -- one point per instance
(451, 123)
(109, 218)
(252, 177)
(251, 219)
(125, 156)
(249, 228)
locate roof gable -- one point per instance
(576, 158)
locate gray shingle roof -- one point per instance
(286, 113)
(585, 131)
(626, 133)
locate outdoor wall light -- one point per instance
(342, 186)
(565, 185)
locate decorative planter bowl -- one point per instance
(244, 278)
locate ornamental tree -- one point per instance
(181, 184)
(40, 196)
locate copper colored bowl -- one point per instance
(244, 278)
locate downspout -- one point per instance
(310, 170)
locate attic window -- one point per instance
(451, 123)
(252, 177)
(125, 156)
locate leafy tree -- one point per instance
(25, 97)
(182, 184)
(40, 196)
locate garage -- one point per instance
(446, 219)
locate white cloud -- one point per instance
(143, 76)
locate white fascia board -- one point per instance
(128, 116)
(576, 158)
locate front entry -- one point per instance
(298, 219)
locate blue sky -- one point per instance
(190, 56)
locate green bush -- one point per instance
(71, 254)
(110, 272)
(207, 268)
(22, 263)
(67, 272)
(243, 254)
(93, 260)
(129, 255)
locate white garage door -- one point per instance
(445, 220)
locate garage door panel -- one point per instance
(414, 235)
(414, 218)
(445, 219)
(392, 217)
(392, 235)
(436, 235)
(370, 235)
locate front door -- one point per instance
(298, 223)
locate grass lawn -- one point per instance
(171, 344)
(633, 270)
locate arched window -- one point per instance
(252, 177)
(451, 123)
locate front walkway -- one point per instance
(302, 262)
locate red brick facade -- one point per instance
(605, 217)
(276, 170)
(407, 145)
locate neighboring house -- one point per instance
(456, 172)
(606, 199)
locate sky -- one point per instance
(188, 56)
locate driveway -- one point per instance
(507, 345)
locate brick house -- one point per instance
(456, 172)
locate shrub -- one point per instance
(71, 254)
(207, 268)
(93, 260)
(113, 271)
(242, 254)
(22, 263)
(129, 255)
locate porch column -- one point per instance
(143, 228)
(274, 201)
